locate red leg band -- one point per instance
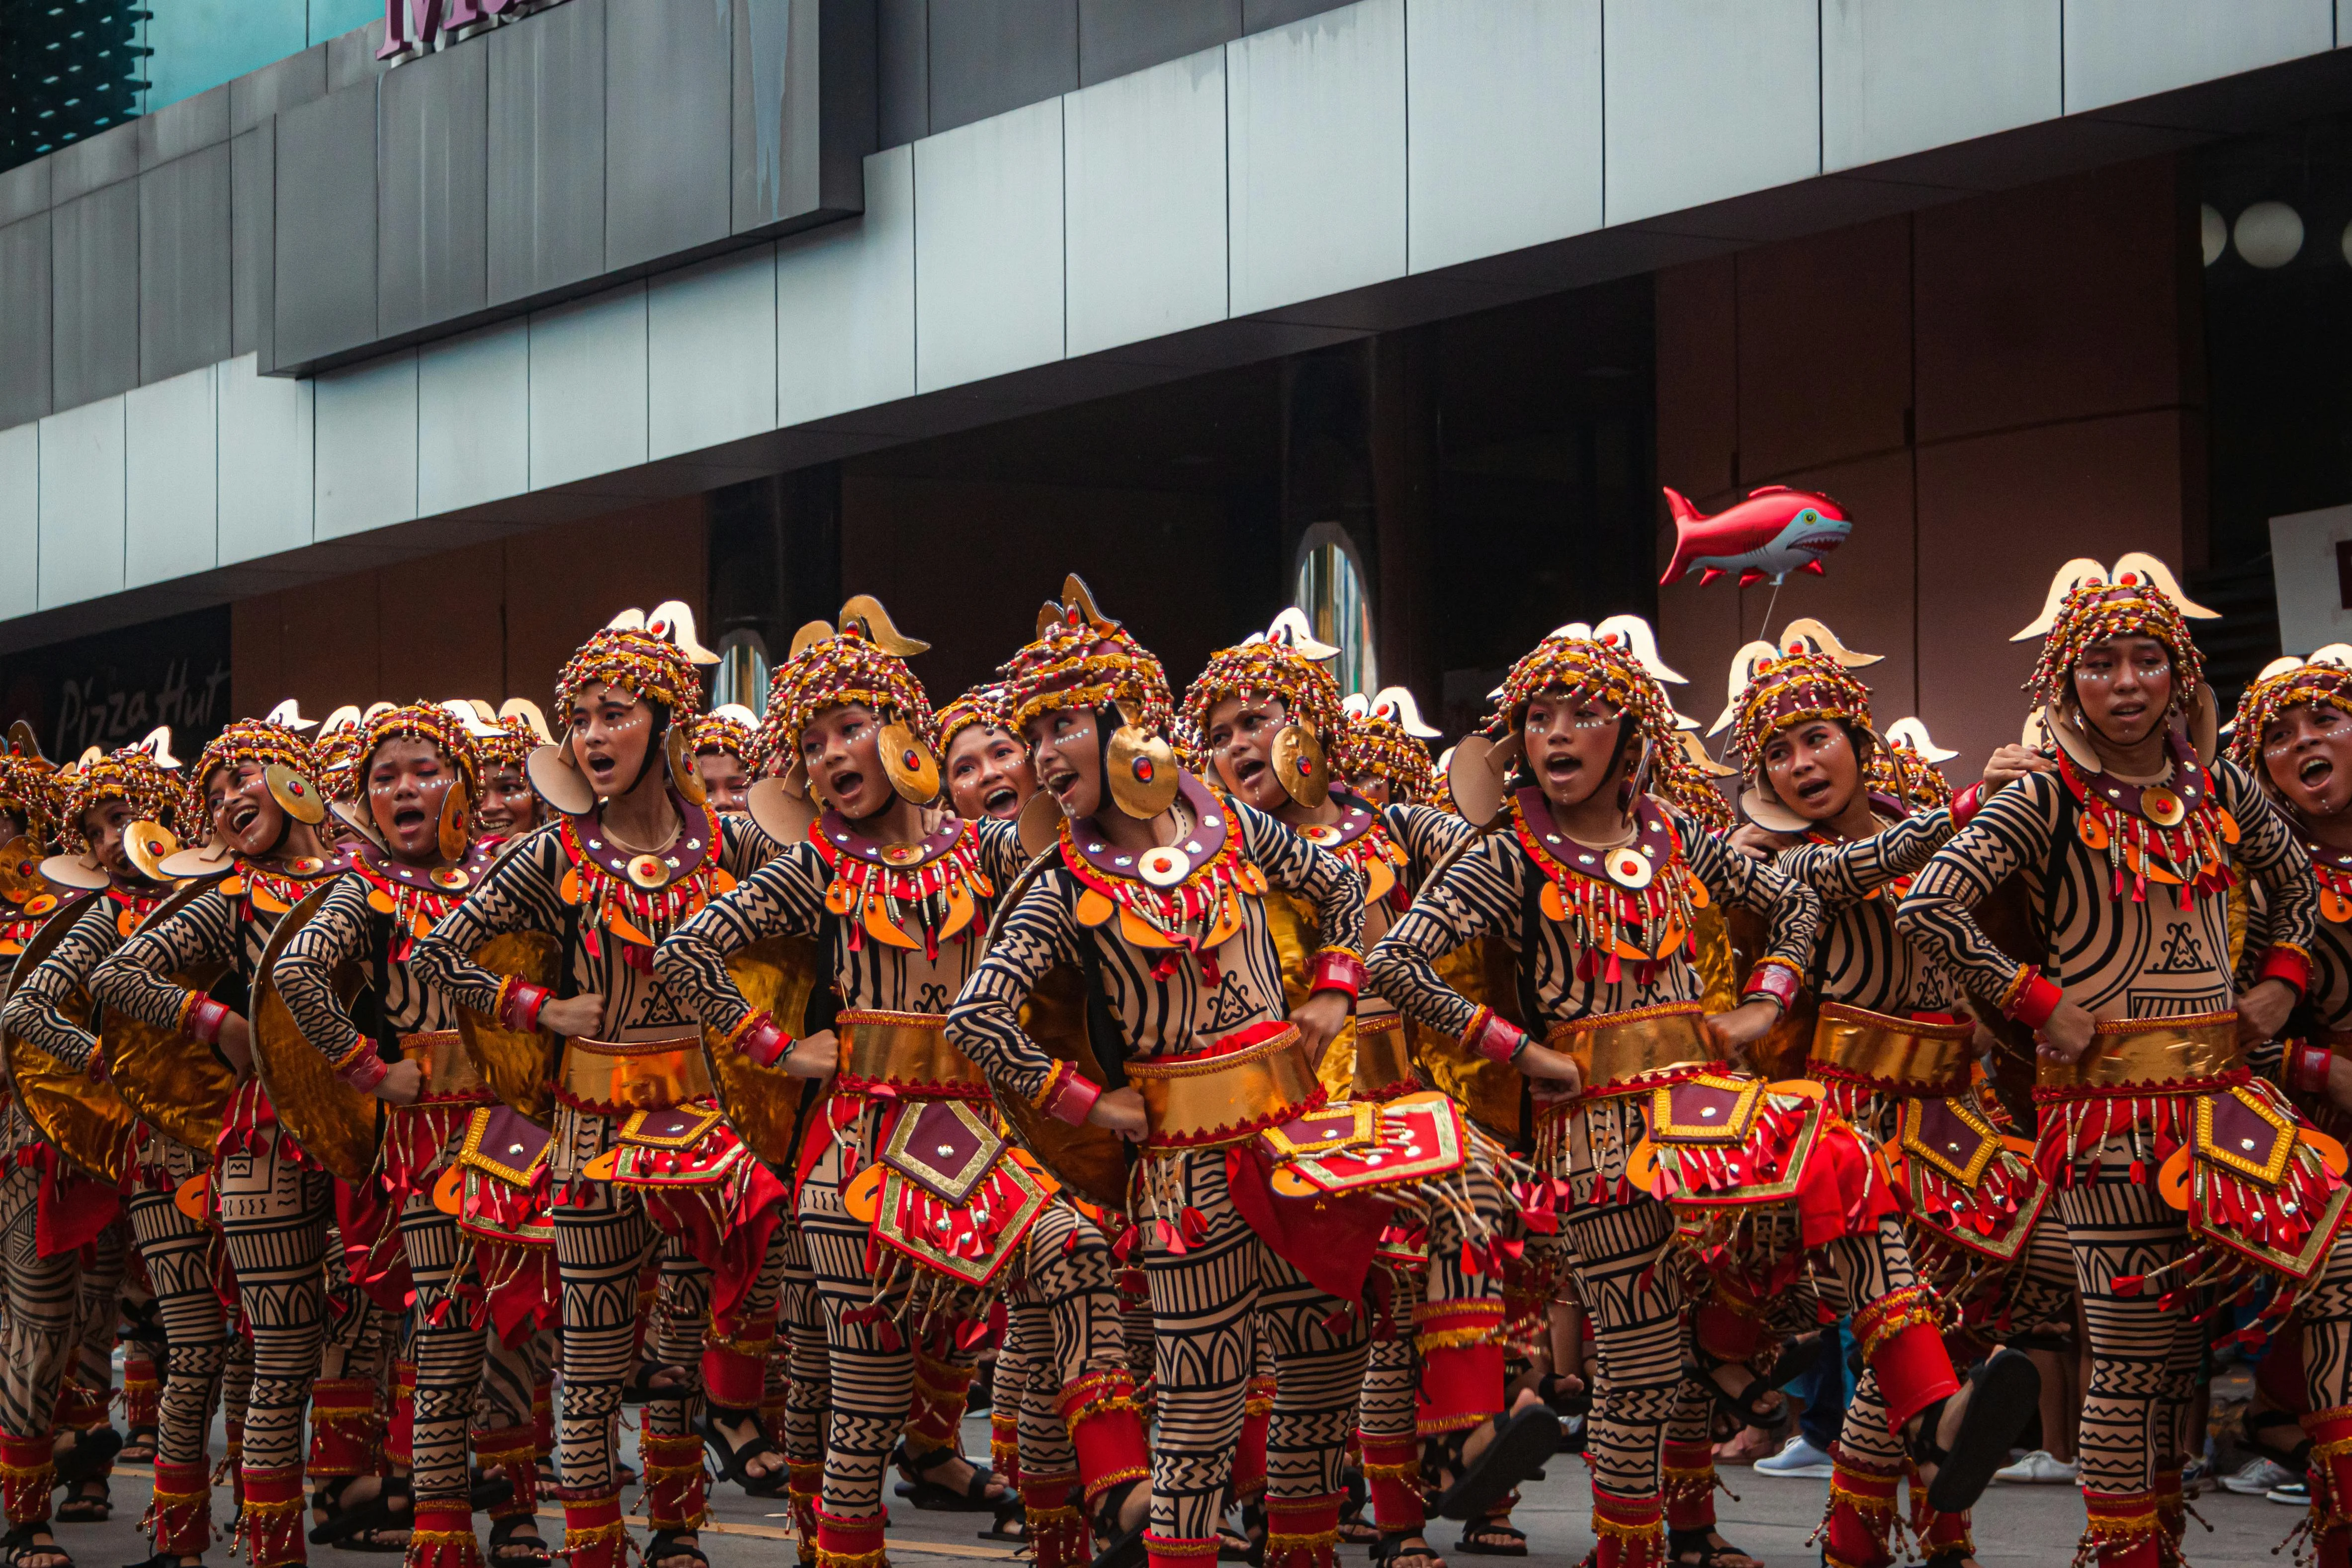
(26, 1469)
(1631, 1532)
(443, 1537)
(1179, 1551)
(804, 1481)
(1941, 1533)
(1004, 1443)
(1860, 1518)
(400, 1430)
(142, 1392)
(674, 1481)
(1689, 1488)
(1461, 1349)
(1106, 1423)
(2123, 1531)
(507, 1450)
(593, 1535)
(935, 1418)
(542, 1416)
(343, 1427)
(1902, 1340)
(270, 1525)
(2329, 1469)
(735, 1370)
(850, 1542)
(1724, 1333)
(1302, 1532)
(1249, 1454)
(1392, 1473)
(1057, 1531)
(180, 1520)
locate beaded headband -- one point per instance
(1083, 658)
(131, 774)
(1283, 661)
(983, 705)
(2321, 683)
(432, 723)
(246, 741)
(651, 654)
(1384, 735)
(865, 661)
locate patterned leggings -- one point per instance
(464, 1373)
(801, 1321)
(99, 1309)
(2144, 1357)
(273, 1213)
(178, 1253)
(1201, 1302)
(43, 1306)
(1063, 1322)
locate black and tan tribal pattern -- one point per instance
(44, 1298)
(346, 930)
(1861, 960)
(38, 998)
(2115, 958)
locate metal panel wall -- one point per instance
(473, 418)
(20, 518)
(171, 479)
(2117, 51)
(990, 56)
(903, 84)
(845, 303)
(1146, 238)
(179, 128)
(669, 128)
(25, 328)
(252, 239)
(710, 371)
(547, 151)
(265, 462)
(325, 229)
(80, 167)
(1709, 99)
(276, 88)
(184, 263)
(804, 112)
(1116, 37)
(588, 387)
(363, 462)
(1903, 79)
(24, 189)
(81, 503)
(433, 201)
(988, 273)
(94, 293)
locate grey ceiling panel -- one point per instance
(903, 69)
(184, 263)
(25, 262)
(178, 129)
(1116, 37)
(988, 56)
(805, 111)
(253, 97)
(432, 210)
(252, 223)
(94, 257)
(669, 71)
(547, 151)
(325, 227)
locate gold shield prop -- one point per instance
(1492, 1093)
(175, 1085)
(777, 976)
(1092, 1162)
(518, 1064)
(84, 1118)
(335, 1124)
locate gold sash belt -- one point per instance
(908, 1051)
(1383, 1052)
(1204, 1098)
(449, 1070)
(2154, 1053)
(635, 1074)
(1905, 1052)
(1613, 1050)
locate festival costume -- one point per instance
(1176, 945)
(955, 1219)
(273, 1202)
(1662, 1132)
(1435, 1365)
(640, 1160)
(2163, 1148)
(1883, 1029)
(478, 1296)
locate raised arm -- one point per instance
(137, 981)
(1332, 885)
(1426, 835)
(1037, 932)
(743, 847)
(518, 893)
(784, 898)
(305, 977)
(1849, 871)
(2012, 831)
(39, 996)
(1482, 892)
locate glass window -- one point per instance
(743, 673)
(1332, 591)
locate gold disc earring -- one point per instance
(1139, 770)
(913, 771)
(682, 776)
(1300, 765)
(456, 809)
(296, 795)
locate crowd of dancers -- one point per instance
(1296, 1130)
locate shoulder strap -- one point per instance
(2069, 813)
(1530, 1016)
(1104, 1033)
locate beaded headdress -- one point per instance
(1384, 734)
(2088, 603)
(131, 774)
(2324, 681)
(435, 723)
(246, 741)
(730, 728)
(1285, 661)
(1083, 658)
(1604, 669)
(1808, 676)
(651, 654)
(862, 660)
(983, 705)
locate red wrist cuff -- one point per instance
(2035, 1000)
(762, 1041)
(362, 1069)
(519, 1004)
(2306, 1067)
(1966, 804)
(1336, 969)
(1069, 1094)
(1773, 978)
(2287, 962)
(1495, 1036)
(202, 1020)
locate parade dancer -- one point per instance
(508, 807)
(1155, 894)
(1890, 1039)
(2126, 853)
(1596, 889)
(983, 764)
(724, 743)
(1271, 717)
(641, 1160)
(256, 786)
(411, 861)
(48, 1007)
(897, 893)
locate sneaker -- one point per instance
(2295, 1494)
(2196, 1473)
(2257, 1476)
(1798, 1460)
(2036, 1470)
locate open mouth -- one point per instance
(240, 817)
(1812, 792)
(1560, 765)
(408, 817)
(1057, 779)
(1000, 799)
(1245, 770)
(1818, 543)
(844, 785)
(2315, 770)
(601, 764)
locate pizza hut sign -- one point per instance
(413, 27)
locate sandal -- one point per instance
(509, 1549)
(1391, 1551)
(733, 1461)
(665, 1544)
(1246, 1544)
(91, 1456)
(1522, 1442)
(1697, 1548)
(139, 1448)
(1012, 1526)
(363, 1526)
(1355, 1530)
(937, 1495)
(1492, 1538)
(641, 1389)
(18, 1547)
(2006, 1390)
(1121, 1548)
(83, 1507)
(1756, 1404)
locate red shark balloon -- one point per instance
(1776, 531)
